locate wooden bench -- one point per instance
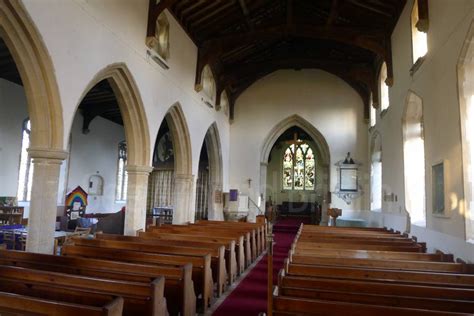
(139, 298)
(201, 232)
(235, 257)
(260, 230)
(342, 245)
(217, 252)
(283, 305)
(201, 266)
(16, 304)
(406, 277)
(373, 254)
(179, 289)
(405, 265)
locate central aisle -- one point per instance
(250, 296)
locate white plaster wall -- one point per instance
(94, 34)
(12, 114)
(95, 153)
(322, 99)
(436, 83)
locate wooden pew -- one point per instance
(15, 304)
(382, 288)
(249, 237)
(372, 254)
(320, 246)
(405, 265)
(234, 255)
(405, 277)
(139, 298)
(179, 289)
(202, 274)
(200, 232)
(283, 305)
(217, 251)
(218, 266)
(260, 229)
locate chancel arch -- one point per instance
(209, 182)
(305, 137)
(171, 181)
(33, 70)
(110, 115)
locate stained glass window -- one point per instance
(25, 177)
(299, 168)
(122, 177)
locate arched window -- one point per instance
(466, 99)
(122, 177)
(299, 167)
(373, 113)
(414, 160)
(419, 38)
(384, 97)
(376, 174)
(25, 177)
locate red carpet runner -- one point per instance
(250, 296)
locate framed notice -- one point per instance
(348, 179)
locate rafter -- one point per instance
(334, 13)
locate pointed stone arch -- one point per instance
(181, 139)
(137, 137)
(37, 74)
(36, 70)
(131, 108)
(322, 149)
(214, 152)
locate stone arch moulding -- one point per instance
(184, 180)
(131, 108)
(137, 137)
(37, 73)
(45, 111)
(322, 148)
(214, 152)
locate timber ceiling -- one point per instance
(244, 40)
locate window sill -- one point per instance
(416, 65)
(420, 224)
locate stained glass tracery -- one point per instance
(299, 168)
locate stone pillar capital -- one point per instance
(137, 169)
(184, 177)
(49, 154)
(264, 164)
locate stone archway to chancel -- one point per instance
(46, 148)
(321, 149)
(171, 182)
(115, 84)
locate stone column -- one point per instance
(44, 197)
(183, 193)
(137, 188)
